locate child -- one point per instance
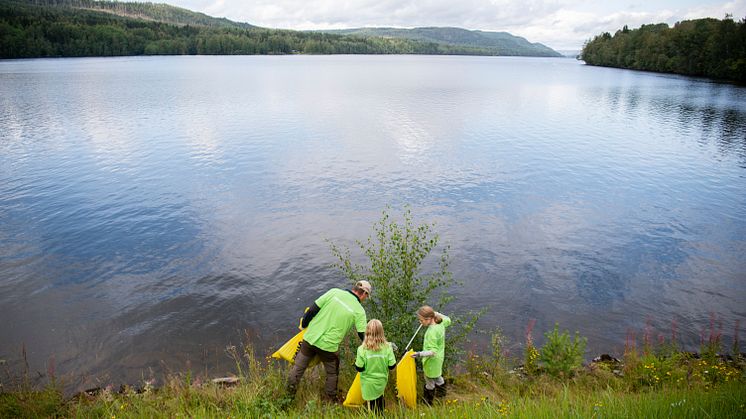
(433, 351)
(374, 359)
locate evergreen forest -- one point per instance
(82, 28)
(703, 47)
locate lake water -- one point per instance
(154, 209)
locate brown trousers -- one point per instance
(303, 357)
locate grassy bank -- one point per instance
(552, 401)
(662, 384)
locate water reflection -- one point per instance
(154, 208)
(709, 109)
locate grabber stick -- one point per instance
(413, 336)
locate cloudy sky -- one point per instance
(559, 24)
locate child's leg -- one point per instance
(376, 405)
(440, 387)
(431, 383)
(429, 390)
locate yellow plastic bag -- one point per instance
(406, 380)
(290, 348)
(354, 394)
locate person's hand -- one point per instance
(416, 355)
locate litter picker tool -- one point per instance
(413, 336)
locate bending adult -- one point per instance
(327, 321)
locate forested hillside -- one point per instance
(501, 43)
(703, 47)
(79, 28)
(30, 30)
(158, 12)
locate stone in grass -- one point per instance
(226, 381)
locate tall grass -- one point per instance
(566, 401)
(659, 381)
(486, 389)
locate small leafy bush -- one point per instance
(560, 355)
(396, 252)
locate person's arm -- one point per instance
(316, 307)
(359, 360)
(446, 320)
(361, 322)
(309, 315)
(423, 354)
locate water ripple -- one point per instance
(154, 208)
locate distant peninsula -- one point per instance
(85, 28)
(703, 47)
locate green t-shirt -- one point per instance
(435, 340)
(339, 310)
(376, 363)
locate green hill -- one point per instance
(499, 43)
(83, 28)
(157, 12)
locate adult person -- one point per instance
(327, 321)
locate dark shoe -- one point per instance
(429, 396)
(336, 399)
(440, 391)
(290, 392)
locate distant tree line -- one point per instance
(702, 47)
(159, 12)
(56, 29)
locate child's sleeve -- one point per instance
(360, 359)
(446, 320)
(392, 358)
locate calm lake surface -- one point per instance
(154, 209)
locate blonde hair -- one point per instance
(427, 312)
(374, 337)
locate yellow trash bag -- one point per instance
(354, 394)
(290, 348)
(406, 380)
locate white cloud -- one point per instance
(737, 8)
(560, 24)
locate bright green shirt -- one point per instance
(376, 374)
(435, 340)
(339, 310)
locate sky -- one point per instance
(559, 24)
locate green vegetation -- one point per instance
(560, 356)
(501, 43)
(28, 30)
(661, 383)
(158, 12)
(82, 28)
(703, 47)
(395, 256)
